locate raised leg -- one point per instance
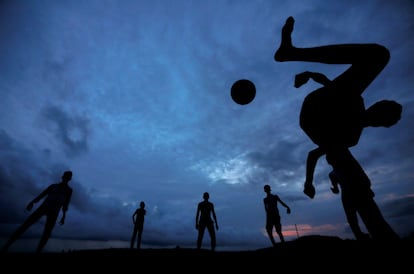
(366, 60)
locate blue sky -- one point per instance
(134, 98)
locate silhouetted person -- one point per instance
(383, 113)
(351, 209)
(334, 116)
(56, 197)
(138, 219)
(357, 195)
(205, 212)
(272, 214)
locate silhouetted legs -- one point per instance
(270, 234)
(137, 234)
(357, 196)
(22, 228)
(374, 221)
(34, 217)
(278, 227)
(351, 212)
(212, 233)
(279, 232)
(367, 60)
(134, 235)
(47, 232)
(200, 236)
(139, 239)
(370, 214)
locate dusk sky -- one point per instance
(134, 98)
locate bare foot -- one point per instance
(286, 42)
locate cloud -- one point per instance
(73, 132)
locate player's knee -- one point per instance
(382, 54)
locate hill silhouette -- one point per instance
(310, 253)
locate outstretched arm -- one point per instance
(285, 205)
(313, 157)
(215, 218)
(38, 198)
(265, 205)
(197, 216)
(65, 207)
(134, 216)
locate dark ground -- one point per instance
(308, 253)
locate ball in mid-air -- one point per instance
(243, 91)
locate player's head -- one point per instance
(142, 204)
(206, 195)
(67, 175)
(385, 113)
(267, 188)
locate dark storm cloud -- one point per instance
(281, 164)
(57, 75)
(400, 207)
(70, 130)
(271, 158)
(18, 170)
(400, 211)
(22, 176)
